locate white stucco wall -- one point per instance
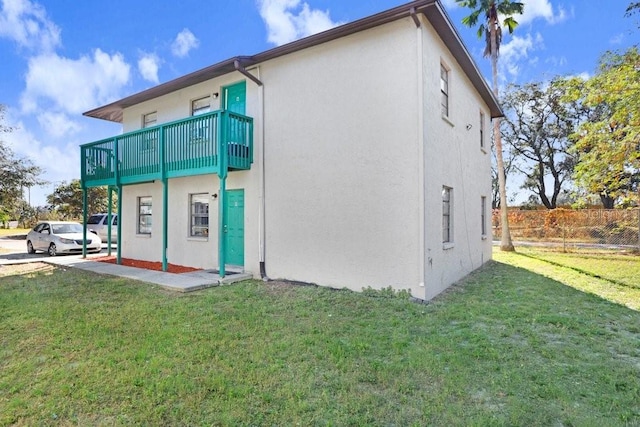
(454, 158)
(342, 165)
(355, 161)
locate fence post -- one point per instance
(564, 231)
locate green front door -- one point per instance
(234, 97)
(234, 227)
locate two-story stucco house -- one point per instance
(355, 157)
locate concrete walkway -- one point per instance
(183, 282)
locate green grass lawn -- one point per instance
(506, 347)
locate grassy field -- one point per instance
(511, 345)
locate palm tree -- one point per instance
(492, 32)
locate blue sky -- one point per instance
(60, 58)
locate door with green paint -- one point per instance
(234, 227)
(234, 97)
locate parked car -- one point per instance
(98, 224)
(56, 237)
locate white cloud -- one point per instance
(617, 39)
(517, 50)
(534, 9)
(74, 85)
(148, 66)
(57, 161)
(582, 76)
(184, 42)
(27, 24)
(285, 25)
(58, 125)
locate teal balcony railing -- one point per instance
(214, 142)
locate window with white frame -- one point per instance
(200, 128)
(483, 216)
(447, 217)
(144, 215)
(150, 139)
(481, 130)
(149, 119)
(444, 90)
(200, 106)
(199, 214)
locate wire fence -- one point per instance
(610, 228)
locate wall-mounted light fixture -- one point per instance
(214, 196)
(469, 126)
(216, 95)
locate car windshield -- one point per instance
(94, 219)
(66, 228)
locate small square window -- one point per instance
(144, 215)
(201, 106)
(149, 119)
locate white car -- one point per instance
(57, 237)
(98, 224)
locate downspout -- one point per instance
(263, 203)
(422, 184)
(262, 209)
(244, 71)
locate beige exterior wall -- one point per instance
(453, 158)
(354, 163)
(342, 166)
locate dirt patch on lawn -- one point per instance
(149, 265)
(26, 268)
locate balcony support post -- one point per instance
(119, 226)
(109, 217)
(222, 196)
(165, 199)
(84, 220)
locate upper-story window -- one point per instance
(482, 130)
(444, 90)
(149, 119)
(200, 105)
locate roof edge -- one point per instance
(432, 9)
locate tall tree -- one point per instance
(66, 200)
(491, 30)
(509, 161)
(539, 122)
(16, 173)
(608, 145)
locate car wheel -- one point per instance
(30, 248)
(52, 249)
